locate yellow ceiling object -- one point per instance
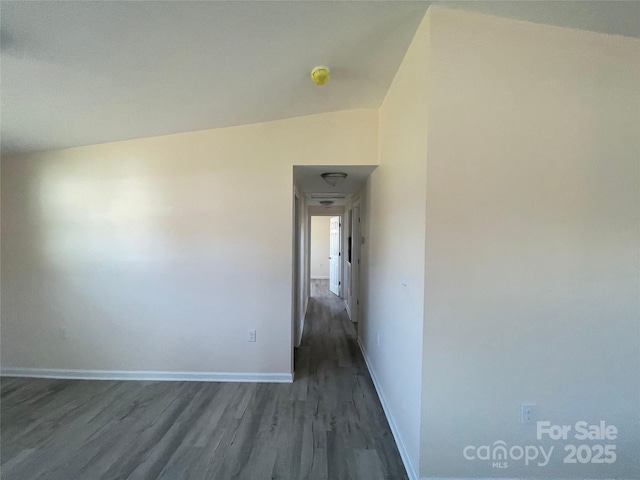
(320, 75)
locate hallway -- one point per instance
(328, 424)
(340, 396)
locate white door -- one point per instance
(334, 258)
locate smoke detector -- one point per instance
(320, 75)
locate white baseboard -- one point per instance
(411, 472)
(319, 278)
(150, 375)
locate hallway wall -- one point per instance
(502, 243)
(393, 286)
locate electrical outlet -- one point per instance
(528, 414)
(64, 332)
(251, 335)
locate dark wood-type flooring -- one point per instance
(328, 424)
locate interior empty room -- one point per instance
(320, 240)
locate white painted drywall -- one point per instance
(394, 246)
(320, 247)
(159, 254)
(532, 243)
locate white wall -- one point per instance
(394, 248)
(158, 254)
(532, 243)
(320, 247)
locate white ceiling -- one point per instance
(614, 17)
(310, 182)
(77, 73)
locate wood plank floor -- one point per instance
(328, 424)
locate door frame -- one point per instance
(356, 256)
(339, 261)
(296, 273)
(341, 244)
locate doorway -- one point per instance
(316, 197)
(326, 252)
(320, 248)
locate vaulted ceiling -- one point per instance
(77, 73)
